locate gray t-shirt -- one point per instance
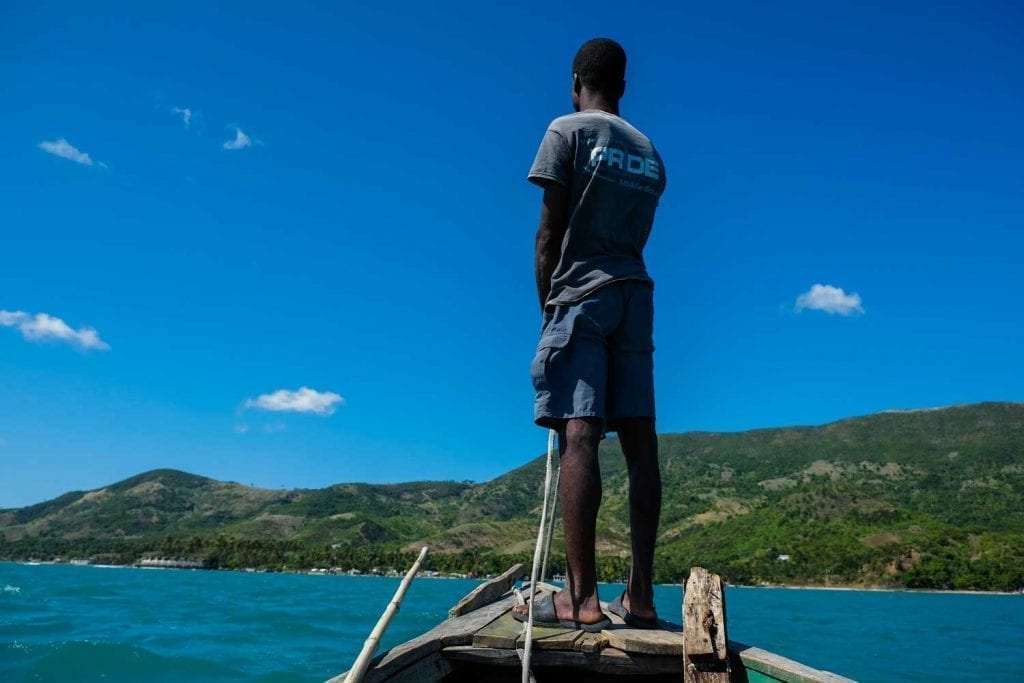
(615, 177)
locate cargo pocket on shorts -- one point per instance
(548, 346)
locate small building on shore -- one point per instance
(172, 563)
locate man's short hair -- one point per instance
(601, 65)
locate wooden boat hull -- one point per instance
(480, 646)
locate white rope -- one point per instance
(551, 526)
(524, 654)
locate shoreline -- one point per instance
(307, 572)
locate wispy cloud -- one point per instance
(64, 149)
(304, 400)
(241, 140)
(832, 300)
(185, 113)
(42, 327)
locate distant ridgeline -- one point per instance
(920, 499)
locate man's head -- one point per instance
(600, 69)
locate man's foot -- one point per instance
(637, 609)
(589, 611)
(633, 613)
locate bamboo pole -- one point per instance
(358, 669)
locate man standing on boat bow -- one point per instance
(593, 372)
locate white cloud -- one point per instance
(241, 140)
(66, 150)
(185, 113)
(42, 327)
(830, 299)
(304, 400)
(241, 428)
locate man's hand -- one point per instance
(554, 219)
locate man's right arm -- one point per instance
(554, 219)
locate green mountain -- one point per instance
(927, 498)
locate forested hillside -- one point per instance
(930, 498)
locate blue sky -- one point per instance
(343, 209)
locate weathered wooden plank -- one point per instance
(552, 639)
(667, 639)
(609, 660)
(503, 632)
(591, 642)
(488, 592)
(704, 614)
(705, 648)
(645, 641)
(458, 631)
(705, 669)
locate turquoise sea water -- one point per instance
(63, 623)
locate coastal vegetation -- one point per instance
(913, 499)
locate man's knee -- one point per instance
(582, 433)
(639, 443)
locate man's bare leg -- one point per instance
(580, 495)
(640, 445)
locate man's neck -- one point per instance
(592, 100)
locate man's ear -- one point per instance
(622, 89)
(577, 84)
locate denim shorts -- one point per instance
(595, 357)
